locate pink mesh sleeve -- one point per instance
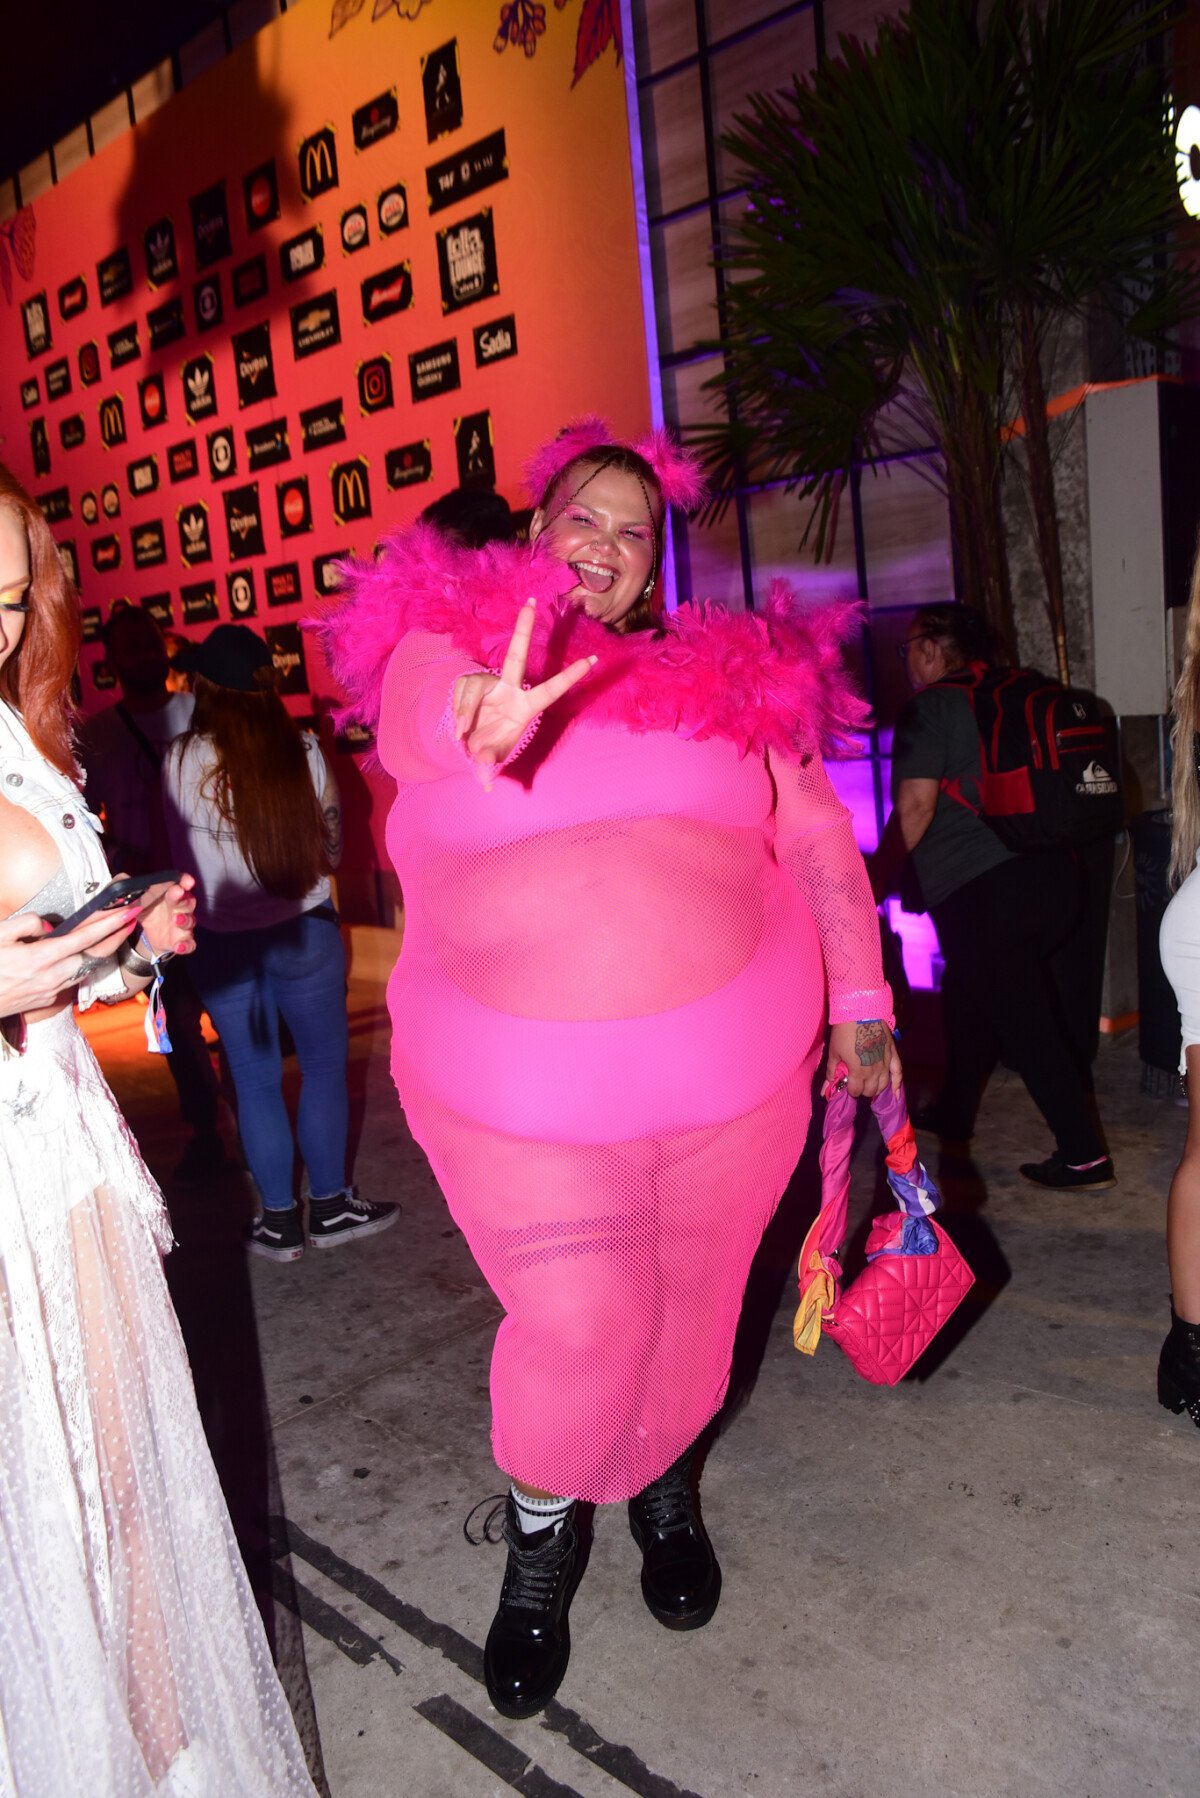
(416, 720)
(814, 840)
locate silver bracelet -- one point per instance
(138, 965)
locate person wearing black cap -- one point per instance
(253, 809)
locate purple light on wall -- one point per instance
(853, 783)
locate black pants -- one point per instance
(996, 935)
(189, 1061)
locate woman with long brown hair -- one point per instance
(252, 806)
(132, 1657)
(1179, 944)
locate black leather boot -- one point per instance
(681, 1580)
(1179, 1369)
(529, 1643)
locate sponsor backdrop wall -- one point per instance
(340, 274)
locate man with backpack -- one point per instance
(993, 775)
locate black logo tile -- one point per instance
(30, 393)
(72, 298)
(55, 506)
(354, 739)
(287, 653)
(69, 560)
(467, 261)
(350, 485)
(152, 399)
(199, 389)
(111, 412)
(106, 553)
(260, 191)
(267, 444)
(239, 586)
(165, 323)
(302, 255)
(39, 446)
(295, 507)
(355, 231)
(442, 88)
(249, 281)
(243, 521)
(434, 370)
(58, 379)
(318, 163)
(375, 119)
(159, 607)
(387, 292)
(321, 425)
(315, 325)
(408, 465)
(391, 209)
(207, 302)
(110, 500)
(103, 678)
(195, 542)
(325, 575)
(89, 507)
(467, 172)
(199, 602)
(143, 476)
(114, 277)
(182, 461)
(149, 542)
(495, 342)
(35, 316)
(162, 263)
(375, 384)
(210, 225)
(222, 453)
(90, 619)
(475, 451)
(88, 359)
(123, 346)
(70, 431)
(254, 364)
(283, 584)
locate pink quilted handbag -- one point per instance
(914, 1278)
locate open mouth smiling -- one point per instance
(595, 576)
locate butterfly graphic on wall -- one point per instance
(18, 236)
(523, 22)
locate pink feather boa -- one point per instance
(772, 679)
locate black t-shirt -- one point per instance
(936, 739)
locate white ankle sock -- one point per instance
(538, 1513)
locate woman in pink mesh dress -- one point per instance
(632, 903)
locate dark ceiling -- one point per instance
(64, 59)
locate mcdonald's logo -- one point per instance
(318, 163)
(351, 490)
(112, 421)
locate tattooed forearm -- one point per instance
(869, 1039)
(333, 833)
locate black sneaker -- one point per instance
(277, 1234)
(681, 1577)
(1055, 1173)
(529, 1643)
(344, 1217)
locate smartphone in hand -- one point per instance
(116, 895)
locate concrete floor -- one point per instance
(981, 1582)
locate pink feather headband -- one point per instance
(676, 469)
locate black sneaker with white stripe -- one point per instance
(344, 1217)
(279, 1235)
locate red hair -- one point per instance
(36, 678)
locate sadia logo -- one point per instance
(1095, 781)
(112, 421)
(351, 487)
(495, 342)
(318, 163)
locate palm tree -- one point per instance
(923, 217)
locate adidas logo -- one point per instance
(198, 382)
(1095, 781)
(160, 244)
(193, 529)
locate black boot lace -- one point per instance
(667, 1505)
(533, 1575)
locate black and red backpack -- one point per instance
(1049, 768)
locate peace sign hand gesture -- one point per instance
(492, 712)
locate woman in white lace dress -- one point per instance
(132, 1658)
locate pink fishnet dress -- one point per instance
(607, 1013)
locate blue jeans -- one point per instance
(248, 979)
